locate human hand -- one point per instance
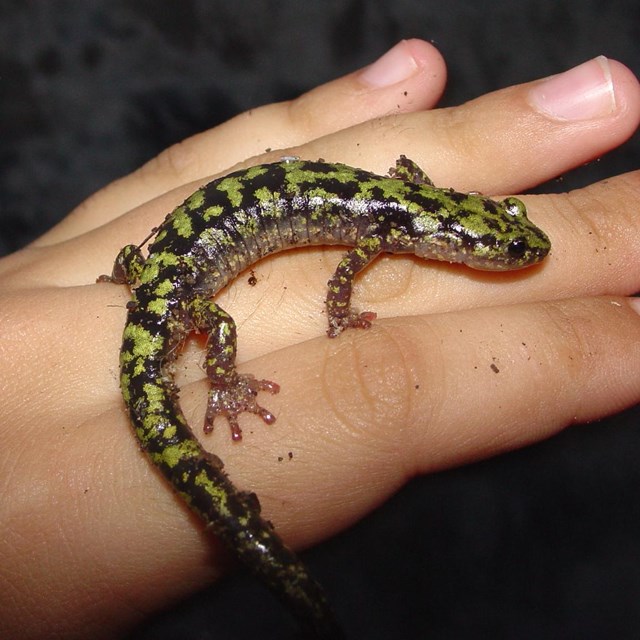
(90, 529)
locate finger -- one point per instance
(506, 141)
(409, 77)
(416, 396)
(595, 234)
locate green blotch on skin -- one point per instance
(217, 493)
(145, 344)
(170, 432)
(156, 397)
(387, 188)
(212, 212)
(181, 222)
(156, 262)
(159, 306)
(266, 196)
(195, 200)
(164, 288)
(232, 187)
(296, 175)
(125, 381)
(320, 193)
(214, 236)
(254, 172)
(173, 454)
(150, 271)
(371, 244)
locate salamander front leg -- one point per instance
(127, 266)
(340, 314)
(231, 393)
(410, 171)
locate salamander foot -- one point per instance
(235, 397)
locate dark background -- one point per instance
(539, 543)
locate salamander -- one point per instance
(224, 228)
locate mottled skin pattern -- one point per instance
(225, 227)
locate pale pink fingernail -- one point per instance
(395, 65)
(634, 303)
(582, 93)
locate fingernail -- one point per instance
(634, 303)
(395, 65)
(582, 93)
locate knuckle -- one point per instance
(178, 163)
(301, 116)
(376, 387)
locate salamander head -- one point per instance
(481, 233)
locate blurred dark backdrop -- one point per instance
(540, 543)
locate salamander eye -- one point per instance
(517, 248)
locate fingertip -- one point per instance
(428, 58)
(627, 93)
(409, 77)
(594, 90)
(403, 61)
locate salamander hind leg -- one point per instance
(231, 393)
(340, 313)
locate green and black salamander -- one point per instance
(227, 226)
